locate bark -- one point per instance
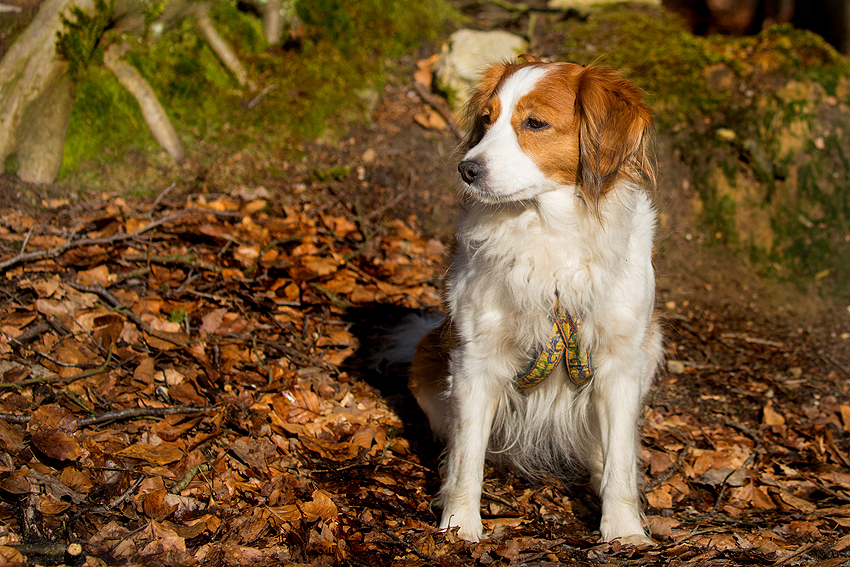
(42, 134)
(157, 120)
(273, 21)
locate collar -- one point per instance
(562, 344)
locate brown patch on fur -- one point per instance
(430, 367)
(555, 149)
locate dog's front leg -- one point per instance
(474, 401)
(617, 398)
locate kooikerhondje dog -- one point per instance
(549, 344)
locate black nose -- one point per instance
(470, 170)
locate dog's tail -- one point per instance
(401, 341)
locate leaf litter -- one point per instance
(188, 382)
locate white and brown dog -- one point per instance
(549, 345)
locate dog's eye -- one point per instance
(533, 123)
(485, 119)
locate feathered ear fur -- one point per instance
(614, 132)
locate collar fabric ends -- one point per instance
(562, 344)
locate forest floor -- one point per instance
(187, 379)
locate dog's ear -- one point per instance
(614, 132)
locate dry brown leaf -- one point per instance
(430, 120)
(99, 275)
(247, 255)
(161, 455)
(296, 405)
(660, 497)
(424, 72)
(845, 416)
(11, 437)
(11, 557)
(145, 370)
(162, 541)
(796, 502)
(156, 507)
(322, 506)
(771, 416)
(76, 480)
(58, 445)
(212, 321)
(50, 505)
(320, 265)
(661, 525)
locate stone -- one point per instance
(467, 54)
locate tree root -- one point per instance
(220, 47)
(157, 120)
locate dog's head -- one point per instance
(536, 127)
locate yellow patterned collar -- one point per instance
(562, 344)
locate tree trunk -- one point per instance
(42, 135)
(30, 69)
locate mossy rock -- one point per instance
(762, 121)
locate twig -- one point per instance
(396, 540)
(42, 549)
(32, 332)
(188, 477)
(120, 500)
(758, 444)
(57, 251)
(159, 198)
(392, 202)
(12, 418)
(338, 301)
(115, 415)
(844, 369)
(61, 379)
(259, 98)
(27, 238)
(803, 550)
(45, 356)
(119, 307)
(752, 340)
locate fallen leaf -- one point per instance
(161, 455)
(322, 506)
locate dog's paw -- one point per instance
(469, 525)
(637, 540)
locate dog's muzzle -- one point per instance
(470, 171)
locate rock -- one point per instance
(467, 54)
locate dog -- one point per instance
(550, 342)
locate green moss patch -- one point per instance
(308, 91)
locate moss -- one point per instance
(78, 43)
(105, 122)
(344, 50)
